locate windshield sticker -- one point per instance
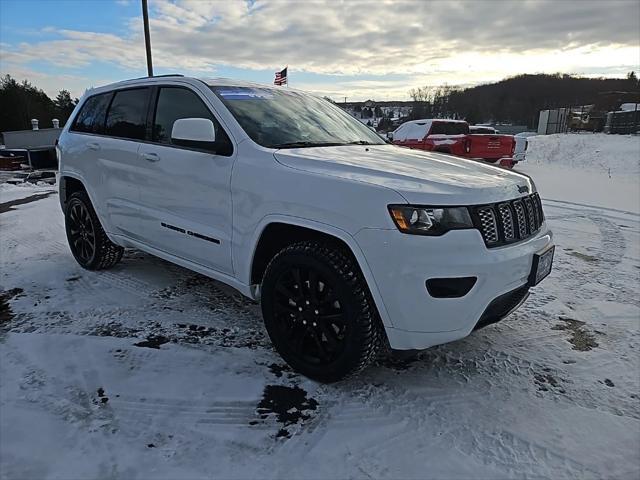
(245, 94)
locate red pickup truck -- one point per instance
(455, 138)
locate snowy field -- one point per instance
(149, 371)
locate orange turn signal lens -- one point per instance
(398, 217)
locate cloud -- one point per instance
(460, 42)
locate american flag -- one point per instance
(281, 77)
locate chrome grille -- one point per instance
(509, 222)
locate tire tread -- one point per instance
(368, 321)
(108, 254)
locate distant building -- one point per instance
(553, 121)
(395, 111)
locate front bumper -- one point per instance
(402, 263)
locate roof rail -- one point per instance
(158, 76)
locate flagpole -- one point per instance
(147, 37)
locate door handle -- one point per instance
(151, 157)
(94, 146)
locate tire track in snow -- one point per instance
(516, 455)
(216, 412)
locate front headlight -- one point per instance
(429, 220)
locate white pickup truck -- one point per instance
(348, 243)
(522, 144)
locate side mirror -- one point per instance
(390, 136)
(194, 133)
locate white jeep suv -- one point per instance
(348, 242)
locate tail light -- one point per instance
(467, 145)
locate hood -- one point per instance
(421, 177)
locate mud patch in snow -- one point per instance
(152, 342)
(102, 396)
(113, 329)
(401, 361)
(584, 256)
(581, 339)
(547, 381)
(290, 405)
(279, 369)
(6, 314)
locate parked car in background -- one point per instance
(455, 137)
(522, 143)
(349, 244)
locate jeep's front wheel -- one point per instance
(88, 241)
(318, 311)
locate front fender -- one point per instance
(346, 237)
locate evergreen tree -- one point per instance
(64, 104)
(20, 102)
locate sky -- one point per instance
(339, 48)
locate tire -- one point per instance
(88, 241)
(318, 311)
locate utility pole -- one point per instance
(147, 39)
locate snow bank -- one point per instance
(588, 169)
(10, 192)
(628, 107)
(618, 154)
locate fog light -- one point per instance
(450, 287)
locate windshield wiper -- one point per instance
(305, 144)
(360, 142)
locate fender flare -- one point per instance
(62, 194)
(327, 229)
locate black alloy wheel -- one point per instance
(318, 311)
(88, 241)
(309, 314)
(82, 235)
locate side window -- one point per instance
(90, 118)
(127, 114)
(175, 103)
(438, 128)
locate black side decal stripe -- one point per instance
(190, 233)
(203, 237)
(173, 227)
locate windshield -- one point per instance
(286, 119)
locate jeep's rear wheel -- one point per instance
(318, 311)
(89, 243)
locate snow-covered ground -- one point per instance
(151, 371)
(588, 169)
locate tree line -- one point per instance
(516, 100)
(21, 101)
(519, 99)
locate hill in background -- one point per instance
(515, 100)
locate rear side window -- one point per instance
(449, 128)
(127, 114)
(90, 118)
(175, 103)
